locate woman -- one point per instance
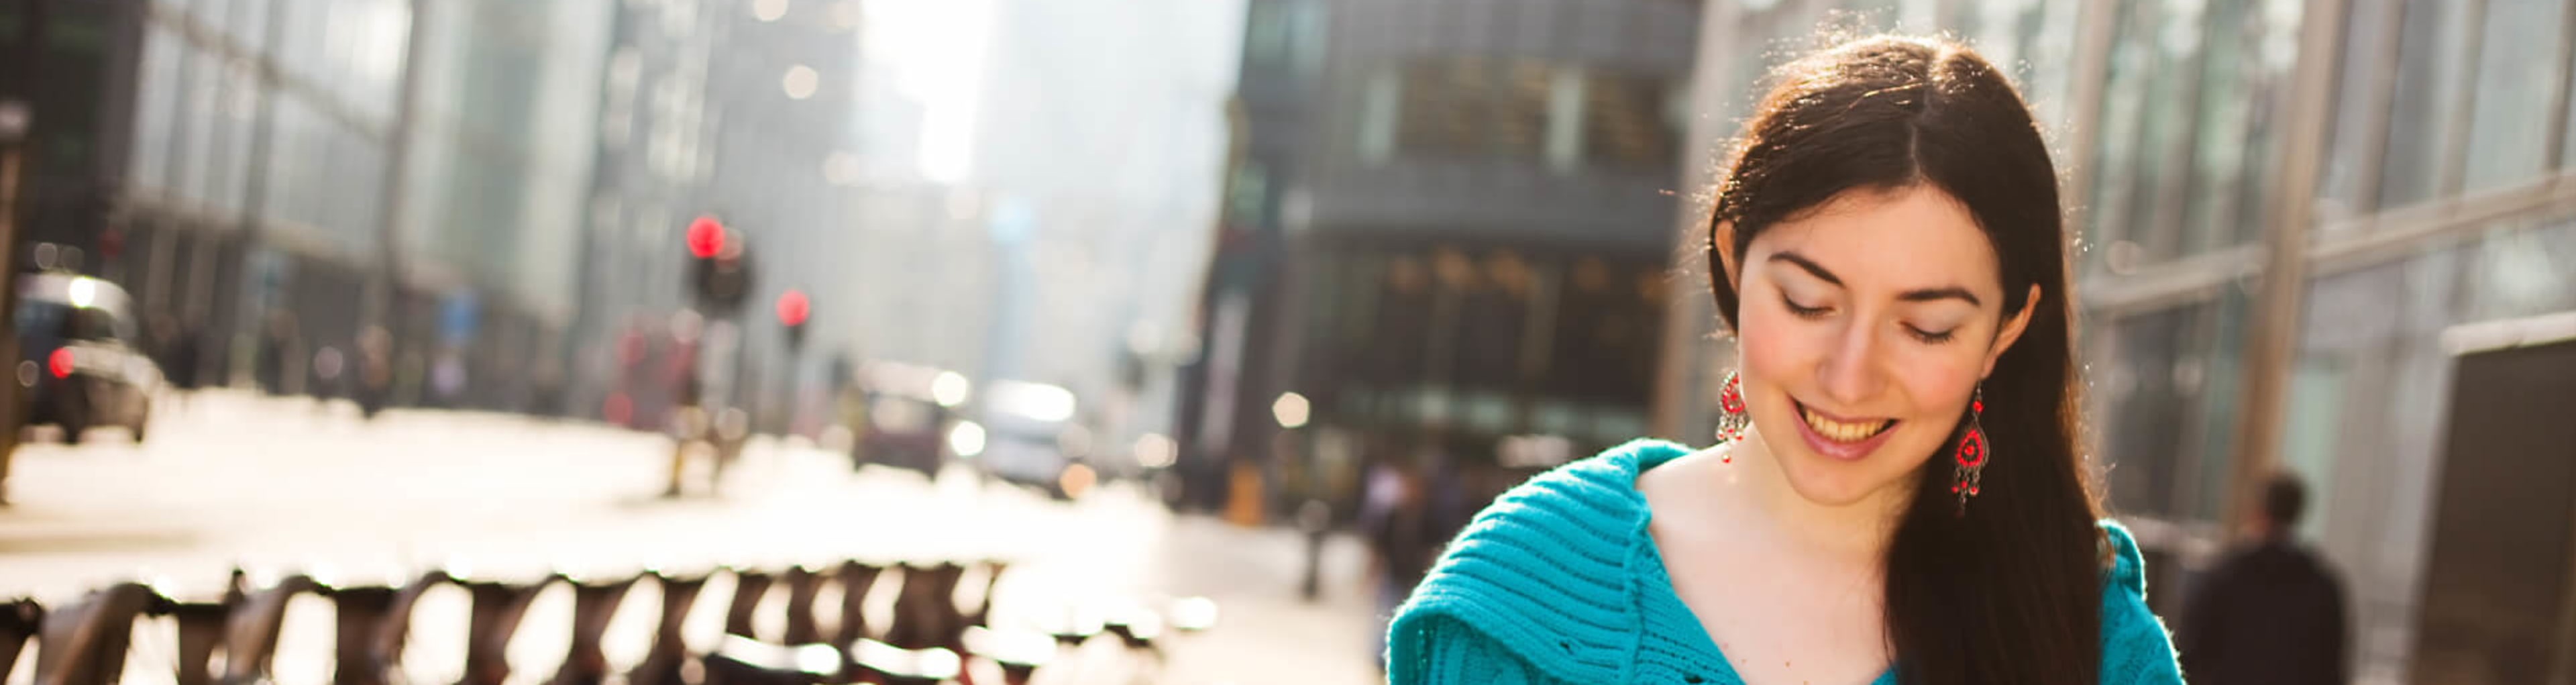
(1898, 496)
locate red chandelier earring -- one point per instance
(1732, 423)
(1972, 453)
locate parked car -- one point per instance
(81, 361)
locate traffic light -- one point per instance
(719, 265)
(706, 238)
(793, 307)
(793, 310)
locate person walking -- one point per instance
(2271, 611)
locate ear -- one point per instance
(2012, 330)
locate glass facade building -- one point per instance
(2438, 203)
(314, 168)
(1444, 227)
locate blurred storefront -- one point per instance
(1445, 228)
(2439, 155)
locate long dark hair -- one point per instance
(2008, 590)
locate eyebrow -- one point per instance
(1916, 295)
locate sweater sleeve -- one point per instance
(2136, 648)
(1447, 652)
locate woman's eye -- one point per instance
(1802, 311)
(1935, 338)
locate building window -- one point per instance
(2513, 91)
(1248, 195)
(2433, 60)
(1565, 121)
(1625, 124)
(1379, 105)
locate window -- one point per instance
(2360, 110)
(2234, 131)
(2514, 87)
(1250, 192)
(2159, 391)
(1266, 32)
(2432, 62)
(1625, 123)
(1378, 111)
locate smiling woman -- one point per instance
(1898, 497)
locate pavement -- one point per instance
(288, 484)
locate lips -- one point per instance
(1841, 438)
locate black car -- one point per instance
(80, 361)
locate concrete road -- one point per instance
(291, 485)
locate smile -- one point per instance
(1842, 437)
(1843, 431)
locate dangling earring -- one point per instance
(1972, 453)
(1731, 424)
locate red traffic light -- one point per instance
(793, 308)
(706, 237)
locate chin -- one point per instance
(1833, 482)
(1831, 485)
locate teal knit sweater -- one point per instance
(1558, 582)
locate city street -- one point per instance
(286, 484)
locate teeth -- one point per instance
(1842, 431)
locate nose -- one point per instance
(1851, 369)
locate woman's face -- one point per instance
(1865, 325)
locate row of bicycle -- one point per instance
(931, 635)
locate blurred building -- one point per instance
(280, 175)
(1446, 227)
(1035, 179)
(651, 166)
(2437, 203)
(741, 112)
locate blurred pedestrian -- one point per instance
(1404, 538)
(1897, 494)
(187, 355)
(276, 352)
(375, 375)
(2271, 612)
(328, 364)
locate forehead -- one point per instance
(1896, 239)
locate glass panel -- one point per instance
(2048, 36)
(2220, 379)
(2359, 111)
(2231, 85)
(1265, 33)
(2432, 57)
(2145, 125)
(227, 165)
(155, 108)
(2526, 272)
(2155, 394)
(296, 155)
(2516, 79)
(2311, 433)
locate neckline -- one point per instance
(1660, 577)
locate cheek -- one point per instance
(1776, 345)
(1940, 385)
